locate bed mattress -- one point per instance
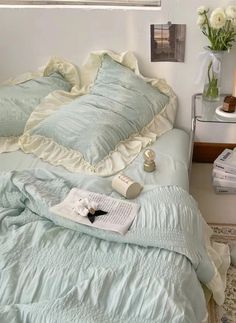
(172, 161)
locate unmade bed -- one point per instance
(56, 270)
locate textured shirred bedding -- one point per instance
(54, 270)
(73, 273)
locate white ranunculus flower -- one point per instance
(201, 20)
(217, 18)
(231, 12)
(201, 10)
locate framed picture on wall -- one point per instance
(167, 42)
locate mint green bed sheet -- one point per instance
(55, 271)
(172, 157)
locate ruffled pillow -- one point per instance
(103, 131)
(20, 96)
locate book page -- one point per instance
(119, 217)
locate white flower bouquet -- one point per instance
(219, 26)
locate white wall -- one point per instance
(29, 36)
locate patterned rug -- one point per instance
(227, 312)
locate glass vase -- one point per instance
(212, 84)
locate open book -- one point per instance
(120, 214)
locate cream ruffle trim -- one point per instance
(8, 144)
(220, 256)
(126, 151)
(68, 70)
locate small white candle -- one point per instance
(234, 86)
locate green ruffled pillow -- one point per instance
(103, 131)
(19, 100)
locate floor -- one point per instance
(215, 208)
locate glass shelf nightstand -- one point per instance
(208, 111)
(211, 133)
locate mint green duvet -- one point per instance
(55, 271)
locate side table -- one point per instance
(204, 115)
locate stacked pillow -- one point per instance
(104, 130)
